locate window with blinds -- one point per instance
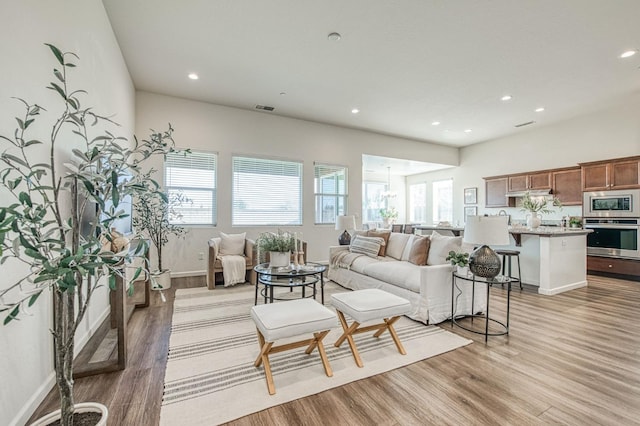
(266, 192)
(418, 203)
(330, 187)
(194, 175)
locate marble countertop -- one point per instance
(549, 231)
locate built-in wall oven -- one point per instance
(614, 217)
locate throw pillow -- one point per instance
(397, 243)
(232, 243)
(381, 234)
(441, 245)
(419, 250)
(366, 245)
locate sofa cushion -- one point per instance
(397, 243)
(398, 273)
(419, 250)
(381, 233)
(232, 243)
(440, 247)
(366, 245)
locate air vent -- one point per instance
(265, 107)
(524, 124)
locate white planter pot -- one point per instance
(279, 259)
(83, 407)
(533, 221)
(161, 280)
(462, 270)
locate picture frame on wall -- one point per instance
(470, 195)
(470, 211)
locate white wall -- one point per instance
(80, 26)
(229, 131)
(610, 133)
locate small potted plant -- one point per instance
(575, 222)
(536, 206)
(460, 260)
(278, 245)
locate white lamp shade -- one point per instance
(345, 223)
(488, 230)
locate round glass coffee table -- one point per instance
(291, 277)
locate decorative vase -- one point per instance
(484, 262)
(161, 280)
(82, 407)
(279, 259)
(534, 220)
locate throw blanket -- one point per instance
(233, 269)
(344, 259)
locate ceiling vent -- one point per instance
(265, 107)
(524, 124)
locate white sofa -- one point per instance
(427, 287)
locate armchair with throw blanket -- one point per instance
(233, 256)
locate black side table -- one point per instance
(473, 279)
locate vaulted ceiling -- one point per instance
(404, 64)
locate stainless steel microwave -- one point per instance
(616, 203)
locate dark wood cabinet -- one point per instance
(609, 265)
(622, 173)
(496, 192)
(567, 186)
(524, 182)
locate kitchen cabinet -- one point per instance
(524, 182)
(609, 265)
(567, 186)
(496, 192)
(621, 173)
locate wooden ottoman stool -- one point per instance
(276, 321)
(367, 305)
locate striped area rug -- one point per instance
(210, 377)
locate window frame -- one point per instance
(336, 195)
(170, 186)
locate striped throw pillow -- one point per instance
(366, 245)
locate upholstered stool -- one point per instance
(368, 305)
(276, 321)
(506, 264)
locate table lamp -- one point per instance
(485, 231)
(346, 223)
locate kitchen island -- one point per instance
(552, 258)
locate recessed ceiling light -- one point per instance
(193, 76)
(334, 36)
(467, 130)
(629, 53)
(435, 123)
(540, 109)
(355, 111)
(506, 98)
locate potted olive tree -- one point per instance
(155, 214)
(45, 204)
(279, 246)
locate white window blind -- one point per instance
(443, 201)
(266, 192)
(418, 203)
(330, 187)
(194, 175)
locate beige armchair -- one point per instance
(214, 265)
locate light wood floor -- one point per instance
(572, 358)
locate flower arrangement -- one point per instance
(458, 259)
(389, 214)
(539, 204)
(281, 241)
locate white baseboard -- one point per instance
(36, 399)
(188, 274)
(562, 289)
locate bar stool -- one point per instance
(506, 256)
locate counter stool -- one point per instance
(506, 256)
(276, 321)
(369, 305)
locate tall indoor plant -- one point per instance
(154, 214)
(88, 171)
